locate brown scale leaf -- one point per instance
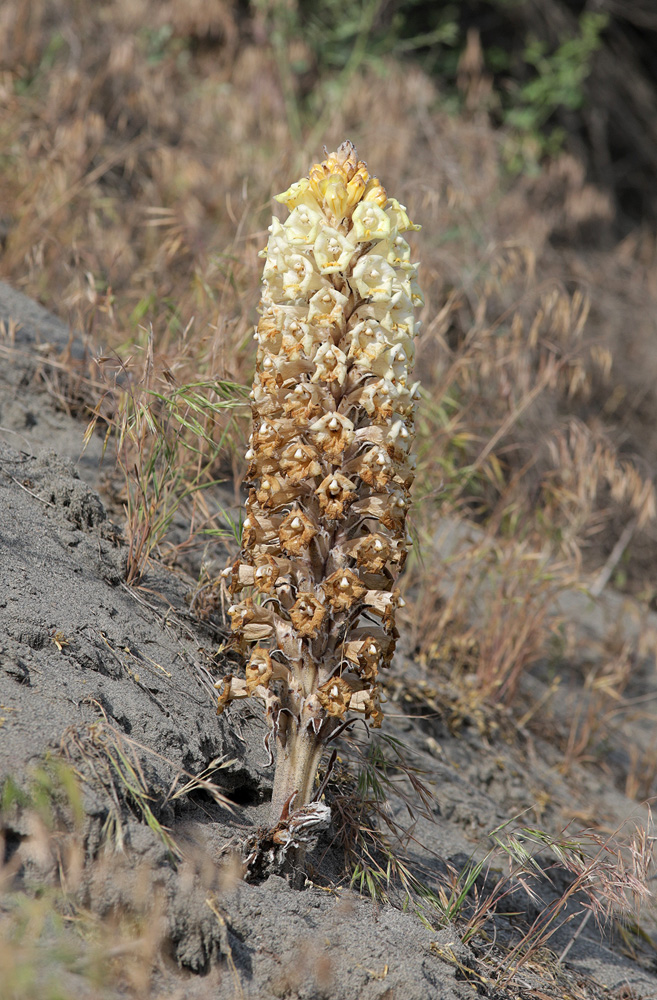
(373, 552)
(299, 462)
(368, 702)
(275, 491)
(333, 433)
(266, 574)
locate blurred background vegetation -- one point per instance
(142, 142)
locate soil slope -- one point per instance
(120, 682)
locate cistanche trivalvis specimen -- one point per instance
(330, 466)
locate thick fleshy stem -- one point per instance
(298, 756)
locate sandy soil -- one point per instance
(88, 665)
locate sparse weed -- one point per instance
(582, 873)
(168, 441)
(110, 759)
(512, 489)
(50, 943)
(514, 591)
(607, 877)
(557, 83)
(200, 783)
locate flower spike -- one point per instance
(330, 465)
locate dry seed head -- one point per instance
(330, 455)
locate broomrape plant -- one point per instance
(330, 469)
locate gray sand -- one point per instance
(84, 659)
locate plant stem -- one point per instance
(298, 753)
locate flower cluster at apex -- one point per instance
(330, 461)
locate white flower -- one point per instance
(399, 253)
(304, 225)
(299, 194)
(292, 277)
(330, 364)
(377, 397)
(326, 307)
(278, 242)
(368, 341)
(369, 223)
(399, 217)
(374, 278)
(332, 251)
(399, 321)
(313, 338)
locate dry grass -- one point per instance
(52, 944)
(565, 878)
(141, 146)
(57, 941)
(78, 916)
(171, 440)
(139, 164)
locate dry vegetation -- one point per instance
(141, 144)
